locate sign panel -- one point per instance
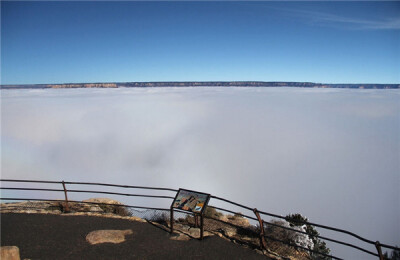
(191, 201)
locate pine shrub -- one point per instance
(319, 245)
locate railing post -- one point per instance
(379, 249)
(66, 197)
(171, 220)
(201, 227)
(263, 244)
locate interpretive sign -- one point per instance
(191, 201)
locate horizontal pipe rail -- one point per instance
(92, 191)
(91, 183)
(124, 194)
(33, 181)
(36, 189)
(122, 186)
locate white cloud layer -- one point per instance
(332, 155)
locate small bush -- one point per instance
(162, 218)
(122, 211)
(115, 209)
(55, 206)
(249, 231)
(211, 212)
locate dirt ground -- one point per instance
(45, 236)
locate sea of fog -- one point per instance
(329, 154)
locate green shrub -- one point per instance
(319, 245)
(115, 209)
(395, 255)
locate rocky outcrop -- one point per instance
(9, 253)
(107, 236)
(79, 207)
(31, 207)
(109, 206)
(103, 201)
(92, 207)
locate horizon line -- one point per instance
(194, 81)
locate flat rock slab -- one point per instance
(9, 253)
(107, 236)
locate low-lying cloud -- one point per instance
(332, 155)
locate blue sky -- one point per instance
(329, 42)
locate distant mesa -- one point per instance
(86, 85)
(203, 84)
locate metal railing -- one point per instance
(377, 244)
(261, 227)
(149, 213)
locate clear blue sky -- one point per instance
(329, 42)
